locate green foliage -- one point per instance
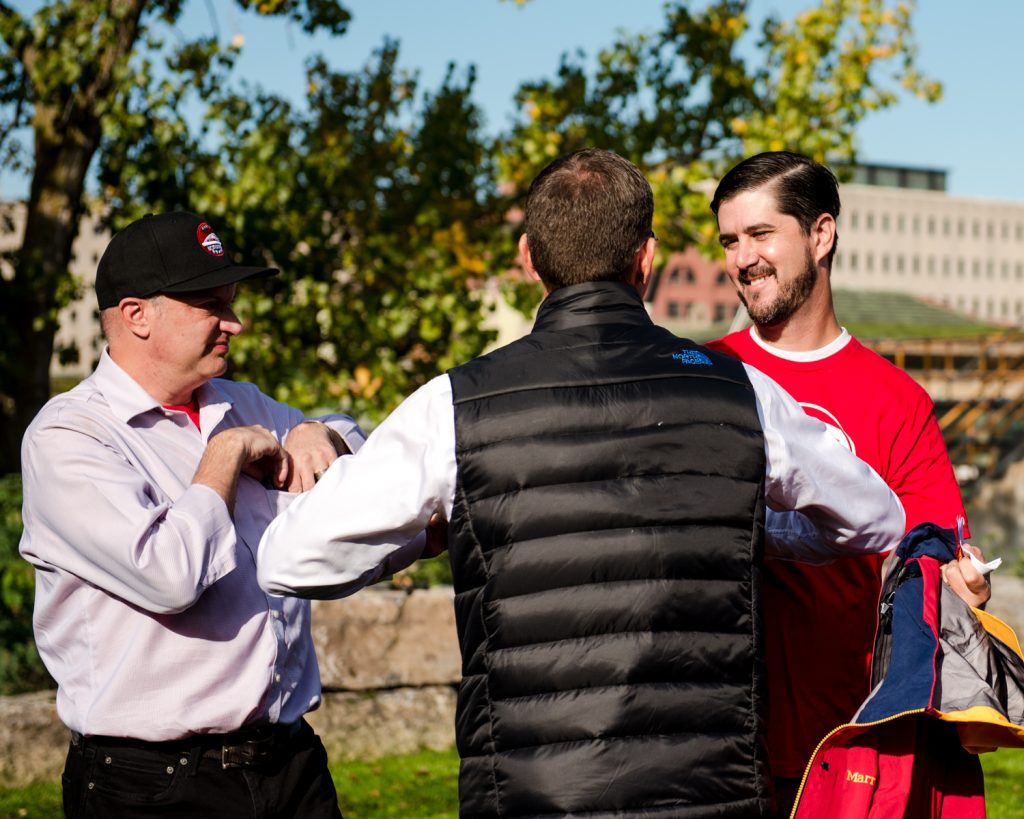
(378, 205)
(684, 103)
(21, 670)
(422, 574)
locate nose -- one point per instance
(746, 253)
(229, 322)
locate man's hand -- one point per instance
(312, 447)
(437, 536)
(252, 450)
(963, 578)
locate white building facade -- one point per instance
(961, 253)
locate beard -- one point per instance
(789, 299)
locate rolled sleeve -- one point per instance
(92, 513)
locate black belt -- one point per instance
(246, 748)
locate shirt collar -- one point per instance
(591, 303)
(804, 356)
(128, 400)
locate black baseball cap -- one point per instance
(166, 253)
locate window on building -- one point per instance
(945, 227)
(945, 266)
(869, 221)
(990, 268)
(690, 277)
(673, 276)
(899, 264)
(976, 268)
(901, 223)
(1005, 231)
(976, 229)
(990, 230)
(722, 277)
(869, 262)
(959, 227)
(1019, 272)
(854, 219)
(853, 260)
(885, 222)
(1004, 269)
(915, 224)
(719, 312)
(915, 264)
(960, 267)
(673, 309)
(931, 226)
(885, 262)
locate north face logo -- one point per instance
(692, 357)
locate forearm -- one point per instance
(357, 523)
(219, 470)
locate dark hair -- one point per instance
(587, 214)
(804, 189)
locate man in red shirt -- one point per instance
(777, 217)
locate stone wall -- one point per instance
(389, 662)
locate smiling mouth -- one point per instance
(748, 277)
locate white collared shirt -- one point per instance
(148, 614)
(824, 502)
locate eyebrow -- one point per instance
(748, 230)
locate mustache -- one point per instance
(747, 276)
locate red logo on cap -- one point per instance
(208, 240)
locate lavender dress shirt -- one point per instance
(148, 614)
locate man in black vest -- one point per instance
(606, 484)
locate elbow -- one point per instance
(172, 601)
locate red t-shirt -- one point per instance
(820, 621)
(191, 409)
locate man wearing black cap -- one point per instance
(183, 684)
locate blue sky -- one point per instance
(976, 132)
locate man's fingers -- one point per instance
(969, 584)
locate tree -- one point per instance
(686, 102)
(387, 209)
(70, 73)
(377, 204)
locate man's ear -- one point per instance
(644, 265)
(136, 315)
(527, 262)
(823, 236)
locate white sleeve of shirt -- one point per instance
(364, 518)
(823, 501)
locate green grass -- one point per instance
(424, 786)
(419, 785)
(1004, 783)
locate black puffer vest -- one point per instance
(607, 527)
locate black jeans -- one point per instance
(107, 778)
